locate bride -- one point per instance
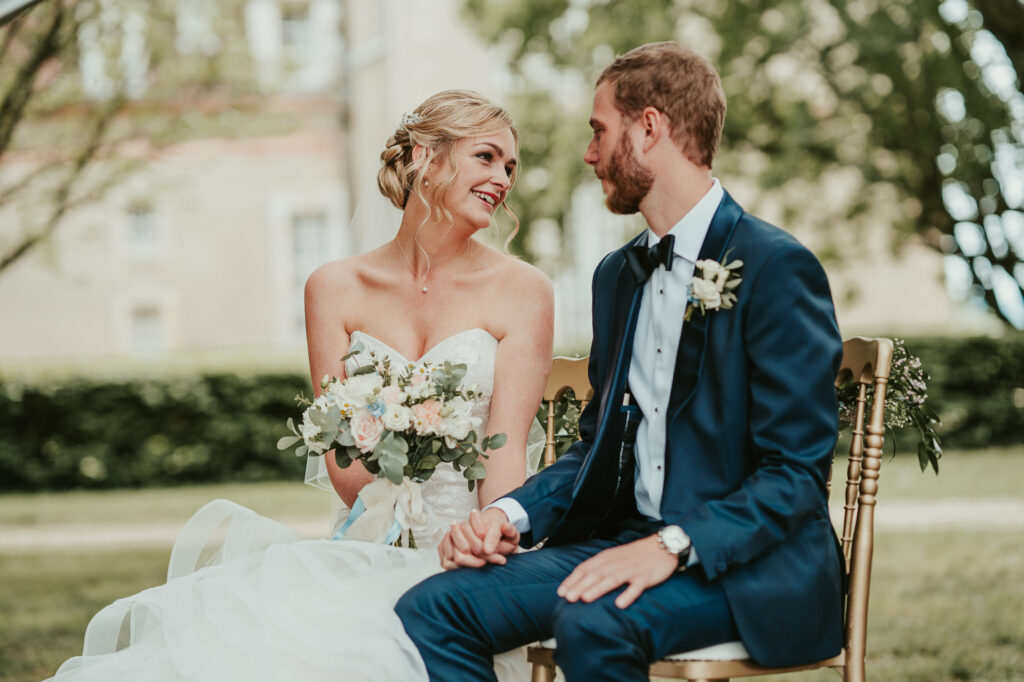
(247, 598)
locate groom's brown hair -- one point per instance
(677, 82)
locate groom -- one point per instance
(693, 509)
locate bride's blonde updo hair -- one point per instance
(437, 124)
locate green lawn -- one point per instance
(276, 500)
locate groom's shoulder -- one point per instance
(761, 241)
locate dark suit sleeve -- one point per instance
(546, 495)
(793, 352)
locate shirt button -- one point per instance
(659, 467)
(661, 291)
(659, 350)
(655, 409)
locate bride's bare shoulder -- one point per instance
(530, 282)
(347, 274)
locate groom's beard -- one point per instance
(630, 181)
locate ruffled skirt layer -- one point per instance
(248, 599)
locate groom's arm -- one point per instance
(794, 350)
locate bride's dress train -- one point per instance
(249, 599)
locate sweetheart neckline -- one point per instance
(429, 350)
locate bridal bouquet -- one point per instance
(401, 421)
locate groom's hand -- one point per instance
(640, 564)
(485, 538)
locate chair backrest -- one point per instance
(865, 362)
(566, 373)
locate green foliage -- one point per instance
(820, 92)
(86, 434)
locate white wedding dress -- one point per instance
(249, 599)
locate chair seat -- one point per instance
(726, 651)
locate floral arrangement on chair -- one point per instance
(905, 406)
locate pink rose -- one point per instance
(427, 417)
(392, 395)
(366, 430)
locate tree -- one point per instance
(915, 107)
(91, 89)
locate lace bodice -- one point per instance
(446, 496)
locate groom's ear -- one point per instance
(653, 123)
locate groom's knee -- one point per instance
(580, 627)
(424, 603)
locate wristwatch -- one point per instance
(676, 542)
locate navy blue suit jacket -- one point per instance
(751, 433)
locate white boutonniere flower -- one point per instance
(712, 286)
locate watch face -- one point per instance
(674, 539)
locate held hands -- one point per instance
(485, 538)
(639, 564)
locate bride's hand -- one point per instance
(485, 538)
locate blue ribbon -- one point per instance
(357, 510)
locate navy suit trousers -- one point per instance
(461, 618)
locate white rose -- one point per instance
(397, 418)
(714, 272)
(359, 388)
(706, 292)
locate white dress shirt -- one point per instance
(652, 366)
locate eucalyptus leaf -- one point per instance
(467, 459)
(301, 450)
(495, 441)
(476, 471)
(287, 441)
(354, 349)
(365, 369)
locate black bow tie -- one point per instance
(643, 260)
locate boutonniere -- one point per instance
(712, 286)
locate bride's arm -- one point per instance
(520, 373)
(327, 341)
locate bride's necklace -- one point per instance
(423, 280)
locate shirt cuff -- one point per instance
(514, 511)
(694, 559)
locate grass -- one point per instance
(276, 500)
(47, 600)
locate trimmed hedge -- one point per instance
(80, 433)
(976, 387)
(87, 434)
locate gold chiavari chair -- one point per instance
(566, 373)
(866, 362)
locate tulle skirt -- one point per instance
(247, 598)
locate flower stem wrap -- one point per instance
(386, 503)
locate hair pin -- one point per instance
(411, 119)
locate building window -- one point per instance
(310, 249)
(147, 330)
(295, 28)
(143, 238)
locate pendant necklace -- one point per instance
(422, 280)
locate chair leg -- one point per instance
(543, 673)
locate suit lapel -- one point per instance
(625, 308)
(693, 341)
